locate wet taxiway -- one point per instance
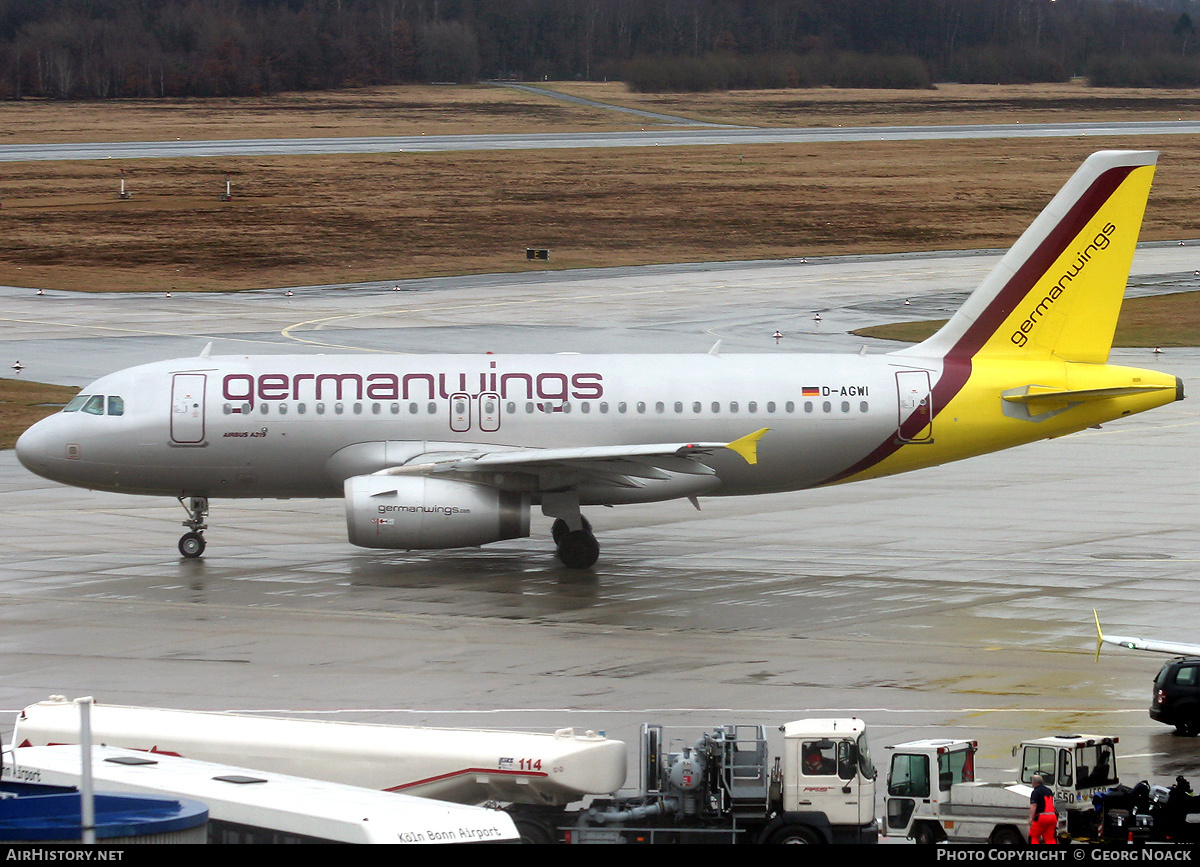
(956, 600)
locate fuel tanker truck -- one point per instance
(562, 786)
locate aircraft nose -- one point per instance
(34, 448)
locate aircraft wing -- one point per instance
(1151, 645)
(621, 465)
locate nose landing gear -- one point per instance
(191, 543)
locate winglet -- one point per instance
(747, 446)
(1099, 634)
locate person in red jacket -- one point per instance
(1043, 821)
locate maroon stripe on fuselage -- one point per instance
(956, 368)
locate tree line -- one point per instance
(89, 49)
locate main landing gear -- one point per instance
(578, 549)
(573, 539)
(191, 543)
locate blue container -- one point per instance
(51, 814)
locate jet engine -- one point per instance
(413, 512)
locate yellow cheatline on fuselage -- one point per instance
(1025, 358)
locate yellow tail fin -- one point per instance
(1058, 291)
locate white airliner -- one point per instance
(446, 451)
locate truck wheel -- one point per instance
(1007, 837)
(924, 834)
(794, 834)
(1188, 729)
(534, 831)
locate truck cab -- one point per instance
(921, 776)
(933, 795)
(827, 770)
(1076, 767)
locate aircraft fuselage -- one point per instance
(298, 426)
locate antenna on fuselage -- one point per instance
(206, 350)
(716, 349)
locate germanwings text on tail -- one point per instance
(451, 451)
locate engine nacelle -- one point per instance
(413, 512)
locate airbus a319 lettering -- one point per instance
(436, 452)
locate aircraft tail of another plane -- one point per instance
(1058, 291)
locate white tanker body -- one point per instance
(466, 766)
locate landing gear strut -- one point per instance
(191, 543)
(573, 539)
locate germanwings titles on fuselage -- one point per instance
(449, 451)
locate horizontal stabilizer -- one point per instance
(1040, 394)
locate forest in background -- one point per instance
(101, 49)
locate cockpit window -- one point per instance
(94, 404)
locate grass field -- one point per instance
(332, 219)
(335, 219)
(23, 403)
(1161, 320)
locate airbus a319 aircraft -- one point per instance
(446, 451)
